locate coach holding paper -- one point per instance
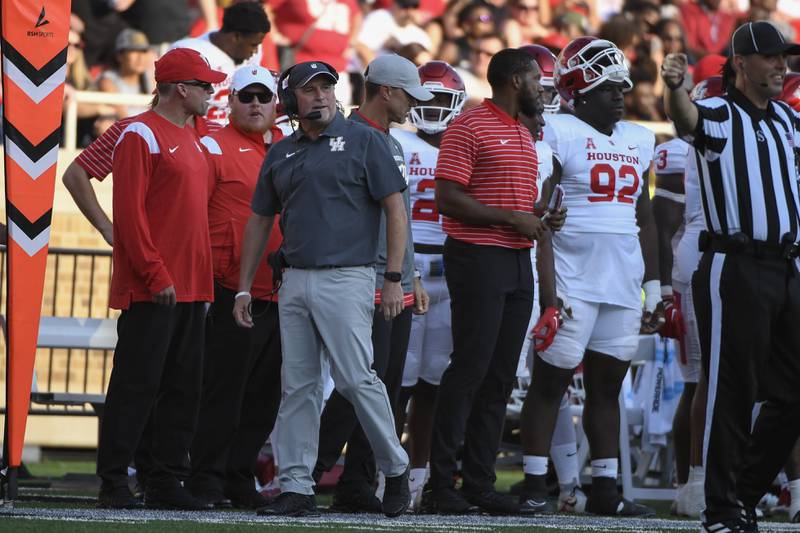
(747, 290)
(329, 181)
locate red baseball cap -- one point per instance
(707, 66)
(184, 64)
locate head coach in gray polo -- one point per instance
(329, 181)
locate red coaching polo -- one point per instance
(235, 159)
(96, 158)
(160, 214)
(492, 155)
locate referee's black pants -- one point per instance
(241, 394)
(748, 314)
(158, 364)
(491, 292)
(339, 424)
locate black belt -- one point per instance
(432, 249)
(328, 267)
(739, 243)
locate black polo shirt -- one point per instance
(328, 193)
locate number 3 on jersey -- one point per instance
(604, 183)
(425, 209)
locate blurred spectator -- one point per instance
(622, 32)
(670, 32)
(707, 28)
(163, 21)
(475, 21)
(474, 75)
(237, 42)
(571, 25)
(79, 79)
(768, 10)
(641, 102)
(388, 30)
(130, 73)
(308, 30)
(527, 22)
(644, 13)
(99, 26)
(416, 53)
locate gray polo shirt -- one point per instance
(328, 193)
(408, 260)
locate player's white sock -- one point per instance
(794, 492)
(565, 461)
(605, 467)
(697, 474)
(416, 478)
(535, 465)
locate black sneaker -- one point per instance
(531, 504)
(450, 501)
(533, 496)
(290, 504)
(736, 525)
(118, 498)
(396, 495)
(796, 518)
(605, 500)
(214, 498)
(174, 497)
(493, 502)
(356, 497)
(750, 519)
(246, 498)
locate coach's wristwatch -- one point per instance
(394, 277)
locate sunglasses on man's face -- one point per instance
(202, 84)
(263, 98)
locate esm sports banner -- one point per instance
(34, 50)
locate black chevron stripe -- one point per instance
(31, 229)
(33, 152)
(37, 76)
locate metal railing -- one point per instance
(77, 284)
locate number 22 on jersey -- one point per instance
(424, 208)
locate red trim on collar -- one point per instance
(499, 113)
(371, 122)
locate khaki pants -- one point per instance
(326, 319)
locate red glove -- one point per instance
(546, 328)
(673, 327)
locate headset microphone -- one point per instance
(314, 115)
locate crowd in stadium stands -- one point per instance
(114, 43)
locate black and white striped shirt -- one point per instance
(746, 163)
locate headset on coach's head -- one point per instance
(286, 93)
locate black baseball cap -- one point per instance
(302, 73)
(761, 37)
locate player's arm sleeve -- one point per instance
(266, 201)
(96, 159)
(457, 154)
(133, 163)
(382, 174)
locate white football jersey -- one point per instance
(602, 176)
(420, 159)
(544, 154)
(597, 253)
(218, 60)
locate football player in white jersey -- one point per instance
(564, 446)
(431, 341)
(678, 211)
(236, 43)
(606, 249)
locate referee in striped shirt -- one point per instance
(747, 291)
